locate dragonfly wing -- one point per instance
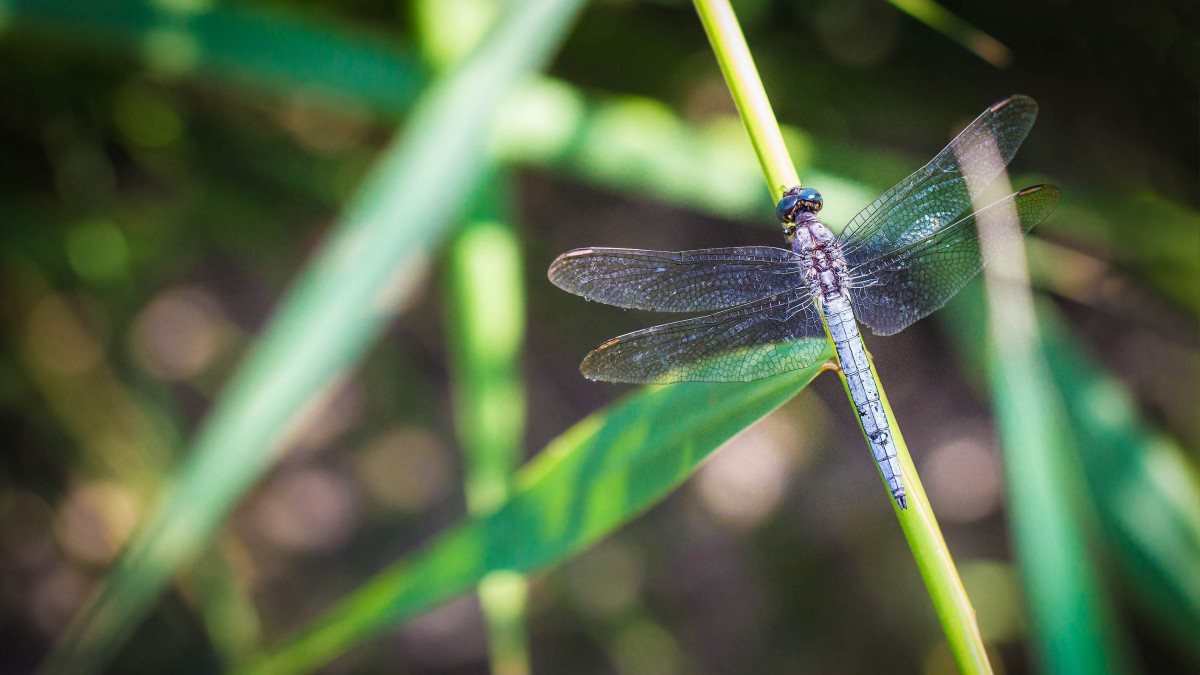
(772, 335)
(909, 283)
(937, 192)
(669, 281)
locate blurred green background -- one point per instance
(168, 168)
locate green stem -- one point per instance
(920, 527)
(741, 75)
(487, 310)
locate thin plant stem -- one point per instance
(729, 46)
(920, 527)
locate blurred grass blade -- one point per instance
(1073, 622)
(487, 324)
(487, 313)
(1143, 490)
(224, 601)
(594, 478)
(337, 307)
(954, 27)
(261, 47)
(1071, 617)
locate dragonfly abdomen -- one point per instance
(856, 366)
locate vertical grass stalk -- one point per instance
(920, 527)
(486, 310)
(1074, 630)
(487, 316)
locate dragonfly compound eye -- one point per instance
(810, 199)
(785, 210)
(797, 199)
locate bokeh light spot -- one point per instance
(537, 122)
(451, 635)
(995, 591)
(963, 480)
(321, 127)
(55, 596)
(179, 334)
(605, 581)
(307, 509)
(645, 648)
(171, 51)
(97, 251)
(94, 520)
(856, 32)
(405, 470)
(746, 481)
(452, 28)
(145, 118)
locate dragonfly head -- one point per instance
(795, 201)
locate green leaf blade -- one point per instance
(595, 477)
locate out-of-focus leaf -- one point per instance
(487, 310)
(958, 29)
(1073, 626)
(259, 47)
(1144, 490)
(335, 310)
(1116, 223)
(597, 476)
(1139, 483)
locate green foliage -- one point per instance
(367, 266)
(594, 478)
(1104, 486)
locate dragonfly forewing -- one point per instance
(937, 192)
(671, 281)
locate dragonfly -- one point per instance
(900, 259)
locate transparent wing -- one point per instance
(909, 283)
(767, 337)
(937, 192)
(667, 281)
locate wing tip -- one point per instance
(591, 368)
(1021, 99)
(554, 272)
(1050, 192)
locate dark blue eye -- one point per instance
(811, 198)
(784, 210)
(798, 199)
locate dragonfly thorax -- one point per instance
(825, 265)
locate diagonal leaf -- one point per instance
(335, 310)
(958, 29)
(594, 478)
